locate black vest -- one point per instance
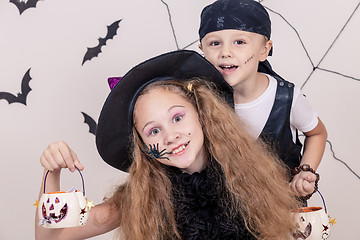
(277, 131)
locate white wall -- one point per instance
(52, 39)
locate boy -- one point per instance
(235, 38)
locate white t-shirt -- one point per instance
(256, 113)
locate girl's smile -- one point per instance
(179, 150)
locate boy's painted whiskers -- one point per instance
(153, 152)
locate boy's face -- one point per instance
(236, 54)
(168, 119)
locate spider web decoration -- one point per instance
(173, 29)
(314, 66)
(336, 158)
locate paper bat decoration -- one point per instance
(21, 97)
(92, 124)
(23, 5)
(94, 51)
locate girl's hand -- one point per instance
(303, 183)
(59, 155)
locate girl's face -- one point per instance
(168, 119)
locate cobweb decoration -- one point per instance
(171, 23)
(314, 66)
(336, 158)
(346, 165)
(173, 29)
(327, 51)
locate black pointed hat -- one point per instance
(115, 122)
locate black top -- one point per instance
(200, 207)
(277, 130)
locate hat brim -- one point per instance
(115, 121)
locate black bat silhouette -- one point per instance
(25, 89)
(92, 124)
(22, 5)
(94, 52)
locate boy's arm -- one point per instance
(314, 146)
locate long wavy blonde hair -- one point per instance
(256, 181)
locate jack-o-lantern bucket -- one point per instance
(63, 209)
(313, 223)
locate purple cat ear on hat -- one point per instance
(113, 81)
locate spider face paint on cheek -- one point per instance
(249, 59)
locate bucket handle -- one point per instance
(322, 198)
(82, 180)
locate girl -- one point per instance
(193, 172)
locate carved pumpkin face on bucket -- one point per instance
(313, 223)
(54, 208)
(63, 209)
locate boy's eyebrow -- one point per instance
(172, 107)
(212, 36)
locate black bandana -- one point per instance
(244, 15)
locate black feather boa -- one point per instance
(200, 207)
